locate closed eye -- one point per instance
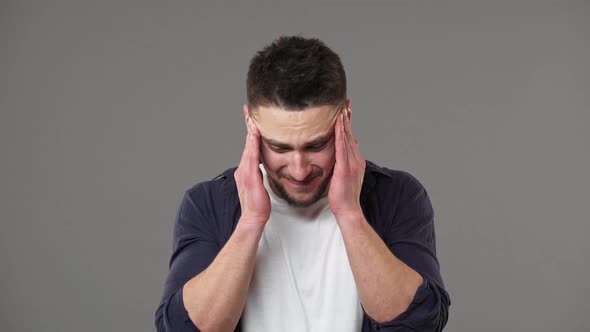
(314, 147)
(317, 147)
(278, 149)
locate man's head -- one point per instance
(296, 88)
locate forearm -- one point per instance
(386, 285)
(216, 297)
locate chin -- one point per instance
(303, 199)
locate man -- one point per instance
(304, 235)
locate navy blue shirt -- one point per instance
(394, 203)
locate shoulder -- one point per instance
(401, 202)
(396, 193)
(215, 186)
(392, 180)
(209, 195)
(209, 208)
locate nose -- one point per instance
(300, 168)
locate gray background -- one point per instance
(110, 110)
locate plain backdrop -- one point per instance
(110, 110)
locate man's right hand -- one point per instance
(215, 298)
(254, 198)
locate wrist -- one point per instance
(354, 217)
(250, 226)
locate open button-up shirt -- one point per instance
(394, 203)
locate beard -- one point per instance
(317, 195)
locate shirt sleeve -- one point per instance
(194, 248)
(411, 238)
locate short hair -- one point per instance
(294, 73)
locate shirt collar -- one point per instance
(369, 180)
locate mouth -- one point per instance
(303, 184)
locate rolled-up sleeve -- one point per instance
(194, 248)
(411, 237)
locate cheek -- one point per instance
(326, 158)
(323, 159)
(272, 160)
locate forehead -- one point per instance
(295, 127)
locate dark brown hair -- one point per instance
(294, 73)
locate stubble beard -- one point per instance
(282, 193)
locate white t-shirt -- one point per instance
(302, 279)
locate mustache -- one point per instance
(314, 173)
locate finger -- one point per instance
(338, 138)
(347, 127)
(351, 140)
(348, 138)
(245, 150)
(248, 147)
(254, 149)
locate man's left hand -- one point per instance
(349, 171)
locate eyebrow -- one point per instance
(316, 141)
